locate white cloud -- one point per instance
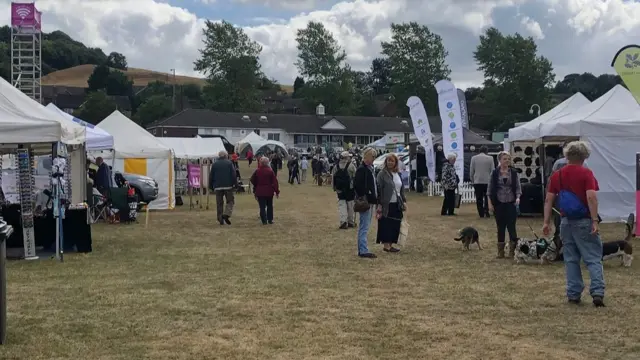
(579, 36)
(532, 27)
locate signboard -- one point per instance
(25, 15)
(193, 174)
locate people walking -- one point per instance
(365, 188)
(343, 174)
(480, 170)
(223, 181)
(449, 183)
(573, 189)
(304, 165)
(250, 157)
(294, 169)
(504, 199)
(265, 186)
(392, 203)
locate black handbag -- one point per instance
(361, 203)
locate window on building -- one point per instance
(336, 138)
(273, 136)
(362, 140)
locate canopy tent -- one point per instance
(379, 144)
(531, 130)
(611, 126)
(259, 144)
(139, 152)
(193, 148)
(97, 139)
(24, 121)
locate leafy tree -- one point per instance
(96, 107)
(417, 57)
(193, 93)
(588, 84)
(320, 58)
(154, 108)
(298, 84)
(473, 94)
(99, 78)
(230, 61)
(515, 76)
(379, 76)
(117, 61)
(321, 61)
(118, 84)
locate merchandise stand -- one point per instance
(61, 191)
(26, 184)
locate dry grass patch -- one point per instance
(191, 289)
(77, 76)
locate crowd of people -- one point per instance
(571, 200)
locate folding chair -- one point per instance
(98, 206)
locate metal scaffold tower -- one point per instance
(26, 49)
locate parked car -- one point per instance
(146, 188)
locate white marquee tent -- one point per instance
(97, 139)
(193, 148)
(257, 142)
(25, 121)
(531, 130)
(139, 152)
(611, 126)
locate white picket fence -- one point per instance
(465, 189)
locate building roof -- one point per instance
(294, 124)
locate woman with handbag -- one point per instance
(504, 198)
(449, 181)
(391, 203)
(364, 185)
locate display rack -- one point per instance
(26, 184)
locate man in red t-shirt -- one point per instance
(580, 238)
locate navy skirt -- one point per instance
(389, 226)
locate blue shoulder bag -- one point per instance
(570, 204)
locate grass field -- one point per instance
(191, 289)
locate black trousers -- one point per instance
(506, 216)
(266, 208)
(481, 199)
(449, 202)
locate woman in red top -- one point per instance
(250, 157)
(265, 185)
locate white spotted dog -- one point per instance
(622, 248)
(536, 250)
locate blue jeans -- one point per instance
(363, 230)
(579, 243)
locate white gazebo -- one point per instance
(611, 126)
(530, 131)
(193, 148)
(97, 139)
(138, 152)
(257, 143)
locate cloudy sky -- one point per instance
(577, 35)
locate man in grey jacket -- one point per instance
(223, 181)
(480, 170)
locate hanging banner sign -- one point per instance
(452, 138)
(423, 132)
(193, 172)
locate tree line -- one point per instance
(410, 63)
(515, 75)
